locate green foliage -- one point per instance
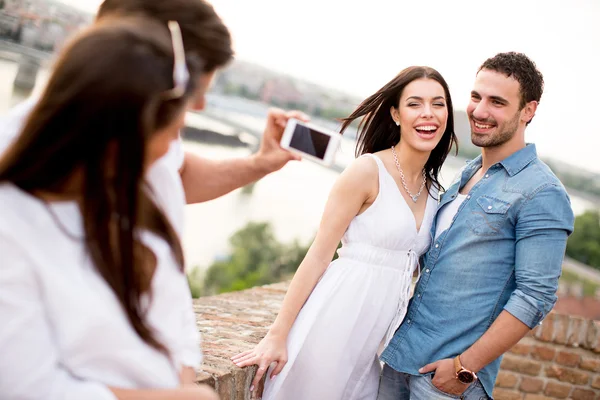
(257, 258)
(589, 287)
(195, 280)
(584, 244)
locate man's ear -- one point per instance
(528, 112)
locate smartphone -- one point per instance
(311, 142)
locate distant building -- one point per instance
(43, 24)
(282, 92)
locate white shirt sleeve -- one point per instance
(175, 156)
(29, 363)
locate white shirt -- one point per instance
(63, 333)
(446, 215)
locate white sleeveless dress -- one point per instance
(357, 305)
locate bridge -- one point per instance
(25, 51)
(29, 64)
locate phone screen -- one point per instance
(310, 141)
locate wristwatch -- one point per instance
(462, 374)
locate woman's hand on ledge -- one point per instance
(185, 392)
(271, 349)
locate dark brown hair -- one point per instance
(378, 131)
(203, 30)
(102, 104)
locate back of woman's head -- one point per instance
(105, 94)
(204, 33)
(378, 130)
(104, 102)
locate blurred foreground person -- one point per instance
(93, 298)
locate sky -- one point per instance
(357, 46)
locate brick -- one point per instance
(596, 382)
(568, 359)
(531, 385)
(546, 333)
(507, 380)
(583, 394)
(225, 386)
(521, 349)
(505, 394)
(242, 378)
(568, 375)
(543, 353)
(205, 379)
(536, 397)
(578, 331)
(590, 364)
(561, 328)
(592, 338)
(557, 390)
(521, 365)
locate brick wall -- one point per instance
(559, 360)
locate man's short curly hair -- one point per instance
(522, 69)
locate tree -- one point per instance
(194, 278)
(257, 258)
(584, 244)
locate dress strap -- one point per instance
(381, 171)
(377, 160)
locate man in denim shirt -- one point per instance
(499, 238)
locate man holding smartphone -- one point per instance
(492, 271)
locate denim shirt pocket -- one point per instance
(487, 216)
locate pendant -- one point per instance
(414, 198)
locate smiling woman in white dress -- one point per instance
(335, 316)
(94, 304)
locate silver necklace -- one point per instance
(414, 197)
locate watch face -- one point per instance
(465, 377)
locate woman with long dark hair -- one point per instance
(93, 299)
(336, 316)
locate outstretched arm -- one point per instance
(204, 179)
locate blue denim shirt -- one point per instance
(503, 251)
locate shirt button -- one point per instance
(419, 295)
(427, 270)
(408, 321)
(437, 245)
(487, 175)
(468, 197)
(489, 207)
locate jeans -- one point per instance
(395, 385)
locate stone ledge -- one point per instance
(235, 322)
(567, 330)
(231, 323)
